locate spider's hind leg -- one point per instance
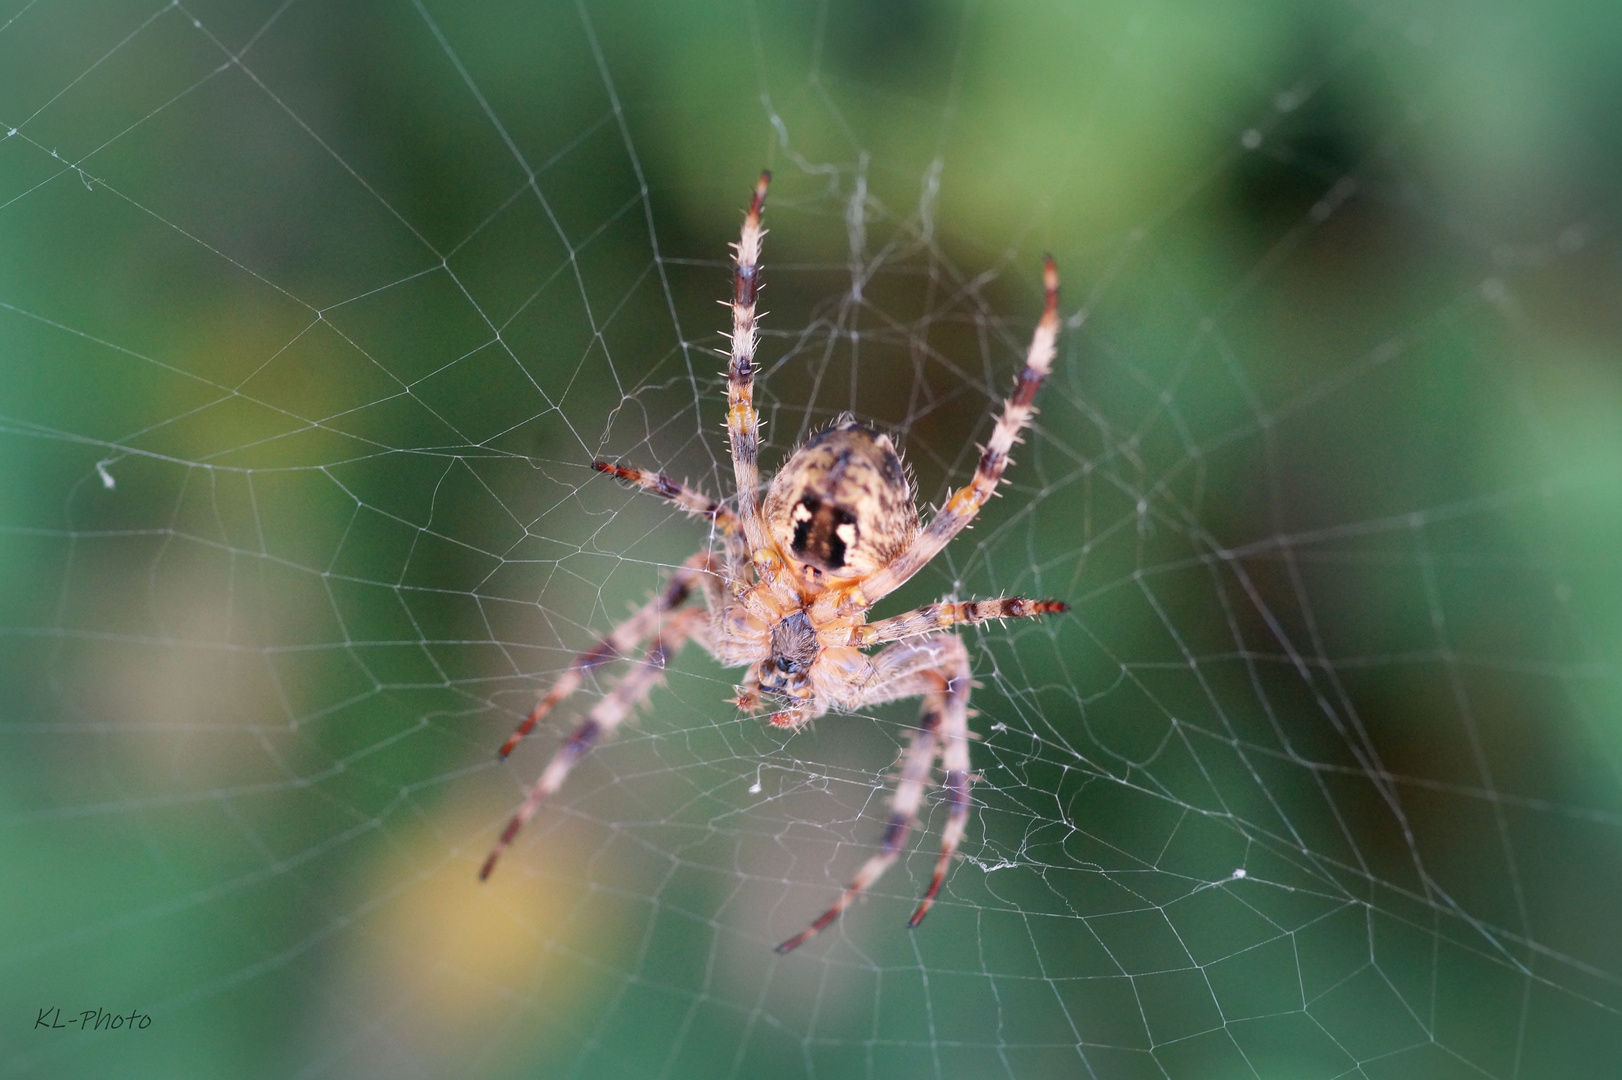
(955, 766)
(938, 668)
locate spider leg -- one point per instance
(909, 793)
(602, 721)
(689, 499)
(965, 503)
(955, 764)
(937, 668)
(933, 617)
(743, 423)
(698, 569)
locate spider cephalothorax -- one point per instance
(787, 596)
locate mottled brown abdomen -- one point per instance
(842, 504)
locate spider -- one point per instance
(787, 596)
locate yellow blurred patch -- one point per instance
(439, 967)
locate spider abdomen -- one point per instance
(841, 505)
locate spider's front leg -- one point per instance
(690, 499)
(743, 423)
(938, 669)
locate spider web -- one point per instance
(313, 319)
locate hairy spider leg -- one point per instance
(909, 792)
(965, 503)
(955, 766)
(698, 569)
(743, 423)
(936, 668)
(932, 617)
(602, 721)
(690, 499)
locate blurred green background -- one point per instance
(313, 316)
